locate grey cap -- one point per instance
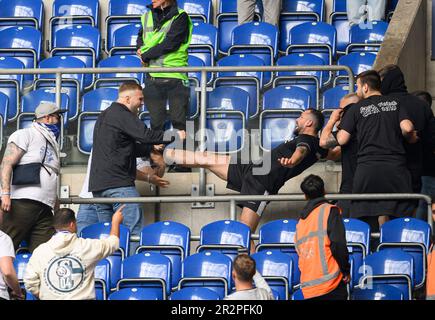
(47, 108)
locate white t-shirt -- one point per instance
(33, 143)
(6, 250)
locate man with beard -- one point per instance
(287, 160)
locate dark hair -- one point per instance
(313, 187)
(371, 78)
(320, 118)
(424, 95)
(245, 267)
(387, 69)
(63, 217)
(129, 86)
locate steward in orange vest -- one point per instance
(430, 277)
(321, 245)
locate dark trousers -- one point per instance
(339, 293)
(158, 92)
(28, 220)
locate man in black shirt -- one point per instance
(287, 160)
(379, 124)
(348, 152)
(119, 137)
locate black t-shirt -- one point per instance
(278, 175)
(376, 123)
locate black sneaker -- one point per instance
(177, 168)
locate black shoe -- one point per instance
(177, 168)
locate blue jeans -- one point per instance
(133, 215)
(356, 10)
(86, 216)
(427, 187)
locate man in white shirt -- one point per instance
(8, 276)
(244, 272)
(63, 268)
(28, 207)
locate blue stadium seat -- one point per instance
(101, 231)
(135, 294)
(390, 266)
(124, 40)
(116, 79)
(318, 38)
(10, 85)
(207, 269)
(412, 236)
(171, 239)
(194, 61)
(286, 98)
(311, 81)
(147, 270)
(227, 21)
(72, 84)
(20, 263)
(195, 294)
(82, 42)
(225, 236)
(357, 61)
(21, 13)
(99, 99)
(358, 245)
(277, 126)
(295, 12)
(204, 43)
(251, 81)
(277, 270)
(198, 10)
(102, 279)
(123, 13)
(368, 39)
(338, 19)
(193, 110)
(377, 292)
(85, 130)
(4, 106)
(229, 98)
(298, 295)
(278, 235)
(332, 97)
(67, 13)
(23, 43)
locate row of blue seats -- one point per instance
(276, 242)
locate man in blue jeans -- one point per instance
(119, 138)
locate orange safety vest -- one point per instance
(430, 277)
(320, 273)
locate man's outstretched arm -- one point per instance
(296, 158)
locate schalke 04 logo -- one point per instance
(65, 274)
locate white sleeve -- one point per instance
(261, 283)
(21, 139)
(6, 246)
(108, 246)
(32, 281)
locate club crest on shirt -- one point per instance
(64, 274)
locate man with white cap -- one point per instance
(29, 173)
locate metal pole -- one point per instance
(202, 121)
(233, 215)
(58, 89)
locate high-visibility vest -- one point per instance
(320, 273)
(152, 37)
(430, 277)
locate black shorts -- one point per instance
(240, 179)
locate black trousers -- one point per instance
(339, 293)
(28, 220)
(158, 92)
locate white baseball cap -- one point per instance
(47, 108)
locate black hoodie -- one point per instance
(336, 233)
(420, 114)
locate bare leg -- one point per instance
(218, 164)
(251, 219)
(382, 220)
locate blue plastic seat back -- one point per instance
(102, 230)
(391, 261)
(285, 98)
(135, 294)
(378, 292)
(224, 134)
(86, 133)
(115, 269)
(194, 61)
(332, 97)
(208, 264)
(168, 233)
(125, 36)
(4, 106)
(403, 230)
(276, 128)
(204, 34)
(357, 231)
(10, 84)
(32, 9)
(146, 266)
(99, 99)
(318, 33)
(119, 62)
(241, 60)
(296, 12)
(302, 59)
(278, 231)
(373, 33)
(275, 264)
(226, 232)
(357, 61)
(339, 6)
(228, 98)
(194, 294)
(298, 295)
(20, 263)
(198, 10)
(102, 273)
